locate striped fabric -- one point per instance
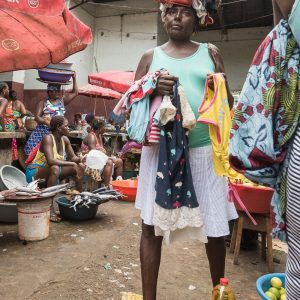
(293, 221)
(154, 134)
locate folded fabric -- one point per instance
(188, 117)
(167, 110)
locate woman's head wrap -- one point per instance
(203, 8)
(53, 87)
(89, 117)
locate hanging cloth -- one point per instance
(266, 116)
(176, 206)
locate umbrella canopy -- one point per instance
(97, 91)
(119, 81)
(33, 37)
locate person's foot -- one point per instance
(55, 218)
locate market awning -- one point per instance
(119, 81)
(35, 37)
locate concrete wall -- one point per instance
(122, 40)
(237, 47)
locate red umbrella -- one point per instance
(94, 90)
(119, 81)
(97, 91)
(35, 33)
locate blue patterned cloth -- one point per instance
(174, 184)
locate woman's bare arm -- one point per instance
(281, 9)
(144, 64)
(220, 68)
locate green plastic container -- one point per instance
(129, 174)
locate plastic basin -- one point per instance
(82, 213)
(127, 188)
(11, 177)
(55, 75)
(257, 199)
(263, 283)
(8, 212)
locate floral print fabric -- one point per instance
(266, 117)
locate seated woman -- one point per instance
(94, 141)
(55, 159)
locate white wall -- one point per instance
(122, 40)
(82, 61)
(237, 47)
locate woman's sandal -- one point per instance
(55, 218)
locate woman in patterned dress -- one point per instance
(54, 105)
(282, 9)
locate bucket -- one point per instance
(34, 219)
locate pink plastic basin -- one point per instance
(127, 188)
(257, 199)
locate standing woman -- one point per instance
(4, 91)
(282, 9)
(54, 105)
(192, 63)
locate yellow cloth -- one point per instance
(215, 112)
(131, 296)
(40, 158)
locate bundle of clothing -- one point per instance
(147, 112)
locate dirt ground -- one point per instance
(71, 263)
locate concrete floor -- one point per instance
(70, 263)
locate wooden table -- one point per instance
(6, 143)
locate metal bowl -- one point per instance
(11, 177)
(55, 75)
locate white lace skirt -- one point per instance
(211, 191)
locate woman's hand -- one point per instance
(210, 80)
(165, 84)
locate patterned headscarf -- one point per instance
(53, 87)
(203, 9)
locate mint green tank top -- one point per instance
(191, 71)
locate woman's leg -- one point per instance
(73, 171)
(51, 174)
(216, 254)
(107, 172)
(118, 167)
(150, 254)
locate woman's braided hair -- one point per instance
(56, 122)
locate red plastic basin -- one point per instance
(127, 188)
(257, 199)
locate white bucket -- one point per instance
(34, 219)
